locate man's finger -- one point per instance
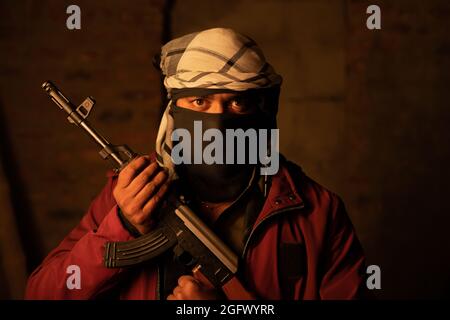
(150, 189)
(187, 280)
(153, 201)
(177, 291)
(143, 178)
(178, 296)
(132, 170)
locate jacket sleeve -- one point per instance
(82, 250)
(344, 261)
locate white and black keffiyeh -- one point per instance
(216, 59)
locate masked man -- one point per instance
(293, 236)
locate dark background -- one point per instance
(364, 112)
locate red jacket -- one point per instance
(303, 246)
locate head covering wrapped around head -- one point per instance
(211, 61)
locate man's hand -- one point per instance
(190, 288)
(140, 187)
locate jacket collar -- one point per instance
(284, 192)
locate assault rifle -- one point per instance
(193, 242)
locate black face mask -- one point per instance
(214, 182)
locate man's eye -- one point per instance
(199, 102)
(239, 105)
(235, 102)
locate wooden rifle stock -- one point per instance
(233, 288)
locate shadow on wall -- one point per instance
(20, 245)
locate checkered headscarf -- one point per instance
(214, 59)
